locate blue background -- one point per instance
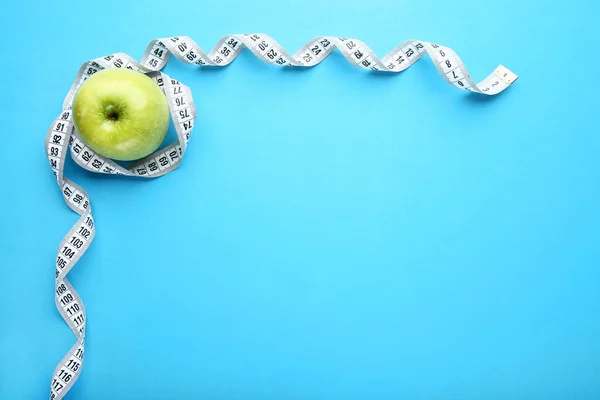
(332, 233)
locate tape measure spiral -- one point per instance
(62, 136)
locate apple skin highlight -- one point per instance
(121, 114)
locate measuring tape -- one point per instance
(62, 136)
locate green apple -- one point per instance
(121, 114)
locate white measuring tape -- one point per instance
(62, 135)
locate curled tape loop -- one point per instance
(62, 135)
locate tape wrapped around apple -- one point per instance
(121, 114)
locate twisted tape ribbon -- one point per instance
(62, 135)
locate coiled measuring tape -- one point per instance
(62, 136)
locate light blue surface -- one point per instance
(332, 233)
